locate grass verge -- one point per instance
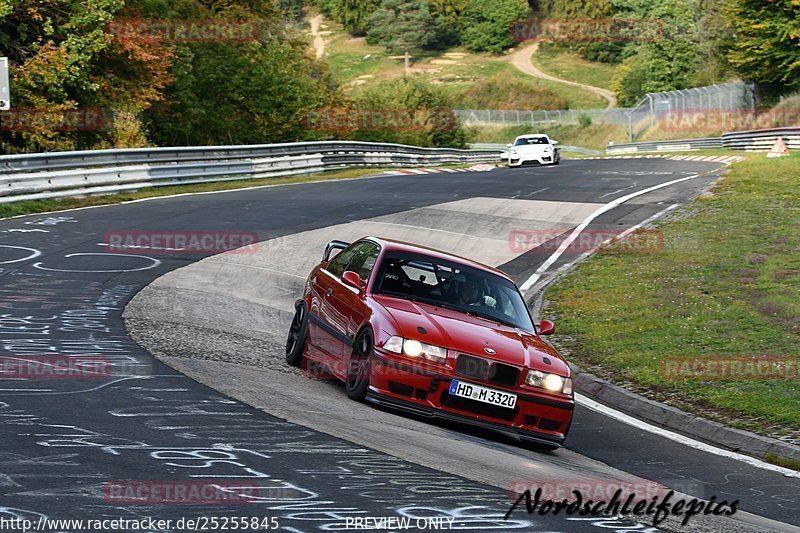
(726, 284)
(359, 66)
(572, 67)
(28, 207)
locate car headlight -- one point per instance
(549, 382)
(414, 348)
(512, 152)
(548, 149)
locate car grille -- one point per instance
(503, 374)
(477, 368)
(472, 367)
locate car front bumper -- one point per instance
(542, 159)
(536, 418)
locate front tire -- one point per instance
(298, 334)
(358, 368)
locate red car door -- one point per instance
(321, 331)
(347, 303)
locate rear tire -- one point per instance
(358, 368)
(298, 334)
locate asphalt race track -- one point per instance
(66, 443)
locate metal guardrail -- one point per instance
(60, 174)
(761, 140)
(665, 146)
(751, 141)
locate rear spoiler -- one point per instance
(334, 245)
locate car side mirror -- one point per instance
(546, 327)
(352, 279)
(554, 142)
(508, 145)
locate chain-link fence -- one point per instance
(653, 107)
(558, 117)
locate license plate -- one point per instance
(483, 394)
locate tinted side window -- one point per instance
(365, 259)
(338, 263)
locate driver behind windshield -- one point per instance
(472, 293)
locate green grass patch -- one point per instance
(785, 462)
(726, 284)
(571, 66)
(28, 207)
(460, 73)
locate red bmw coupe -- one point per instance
(433, 334)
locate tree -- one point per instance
(659, 57)
(414, 112)
(69, 55)
(352, 14)
(593, 47)
(488, 24)
(448, 16)
(401, 26)
(255, 91)
(766, 44)
(63, 59)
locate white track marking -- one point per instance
(619, 237)
(686, 441)
(156, 262)
(582, 226)
(34, 253)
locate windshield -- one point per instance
(531, 140)
(441, 283)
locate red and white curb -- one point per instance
(714, 158)
(407, 171)
(709, 158)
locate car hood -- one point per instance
(469, 334)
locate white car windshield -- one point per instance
(524, 141)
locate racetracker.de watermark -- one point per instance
(575, 30)
(714, 121)
(184, 31)
(55, 367)
(88, 119)
(547, 241)
(169, 242)
(730, 368)
(181, 492)
(337, 120)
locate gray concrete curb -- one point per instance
(679, 421)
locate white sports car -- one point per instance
(537, 148)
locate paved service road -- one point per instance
(71, 447)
